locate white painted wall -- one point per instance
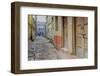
(5, 42)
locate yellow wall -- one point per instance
(31, 27)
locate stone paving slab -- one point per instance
(42, 49)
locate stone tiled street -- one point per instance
(42, 49)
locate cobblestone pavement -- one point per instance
(42, 49)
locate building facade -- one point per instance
(54, 30)
(69, 33)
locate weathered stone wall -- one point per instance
(81, 36)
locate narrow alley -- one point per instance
(57, 37)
